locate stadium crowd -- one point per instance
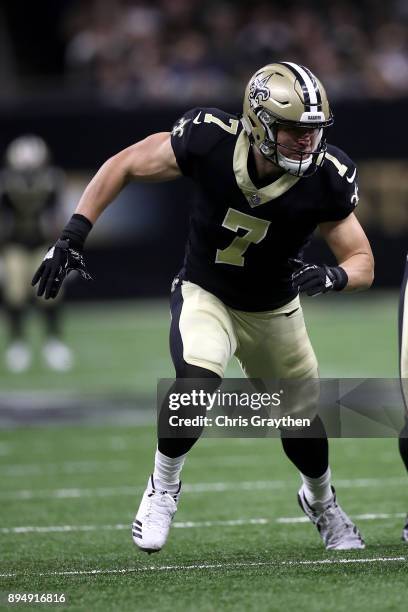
(157, 50)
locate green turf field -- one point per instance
(68, 494)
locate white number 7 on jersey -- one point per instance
(256, 231)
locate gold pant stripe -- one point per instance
(404, 335)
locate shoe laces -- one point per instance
(335, 521)
(161, 504)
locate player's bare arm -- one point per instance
(150, 160)
(349, 244)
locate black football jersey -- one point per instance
(242, 235)
(27, 201)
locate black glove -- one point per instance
(59, 261)
(314, 279)
(65, 256)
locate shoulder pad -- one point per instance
(341, 174)
(198, 131)
(339, 164)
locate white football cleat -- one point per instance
(18, 356)
(57, 355)
(151, 526)
(404, 535)
(336, 529)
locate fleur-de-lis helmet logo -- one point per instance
(258, 91)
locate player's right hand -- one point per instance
(59, 261)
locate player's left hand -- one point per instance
(314, 279)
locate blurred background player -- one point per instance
(403, 346)
(30, 194)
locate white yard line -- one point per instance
(210, 566)
(121, 526)
(66, 467)
(201, 487)
(188, 524)
(13, 470)
(357, 517)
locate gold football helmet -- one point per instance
(27, 153)
(286, 95)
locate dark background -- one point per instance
(89, 106)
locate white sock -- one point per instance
(167, 470)
(318, 490)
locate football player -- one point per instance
(30, 192)
(403, 363)
(266, 181)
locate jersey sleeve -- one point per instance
(195, 134)
(341, 194)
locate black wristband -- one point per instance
(76, 231)
(340, 278)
